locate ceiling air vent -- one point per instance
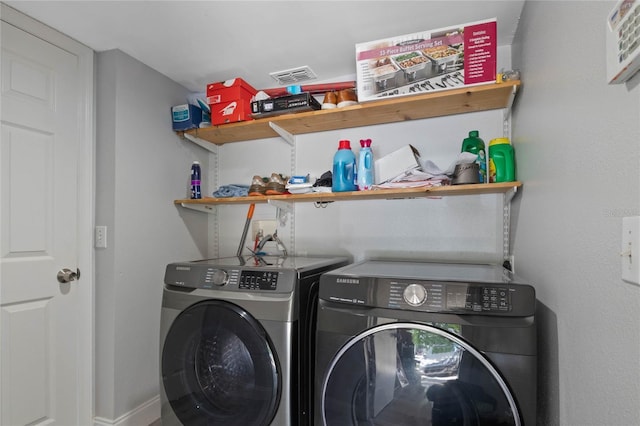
(294, 75)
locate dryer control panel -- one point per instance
(441, 297)
(430, 287)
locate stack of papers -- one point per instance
(427, 175)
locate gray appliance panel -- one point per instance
(265, 274)
(281, 306)
(442, 287)
(369, 294)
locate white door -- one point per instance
(46, 215)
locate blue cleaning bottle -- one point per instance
(365, 166)
(344, 168)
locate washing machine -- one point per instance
(415, 343)
(236, 340)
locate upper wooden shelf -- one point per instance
(413, 107)
(378, 194)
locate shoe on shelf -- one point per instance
(276, 184)
(347, 97)
(258, 186)
(330, 100)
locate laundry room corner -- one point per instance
(139, 168)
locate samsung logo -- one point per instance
(183, 268)
(348, 280)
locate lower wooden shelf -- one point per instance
(379, 194)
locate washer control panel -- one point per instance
(258, 280)
(447, 297)
(229, 279)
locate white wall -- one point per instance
(577, 141)
(458, 228)
(449, 228)
(142, 165)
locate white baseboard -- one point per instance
(142, 415)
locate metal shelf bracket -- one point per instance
(508, 195)
(201, 142)
(288, 137)
(283, 207)
(205, 208)
(507, 108)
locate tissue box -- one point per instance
(396, 163)
(185, 117)
(230, 101)
(427, 61)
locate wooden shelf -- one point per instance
(380, 194)
(413, 107)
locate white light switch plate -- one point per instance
(101, 237)
(630, 250)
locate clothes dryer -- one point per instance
(236, 340)
(411, 343)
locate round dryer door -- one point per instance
(413, 374)
(219, 367)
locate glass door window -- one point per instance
(219, 367)
(413, 374)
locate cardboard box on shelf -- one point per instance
(396, 163)
(427, 61)
(284, 105)
(230, 101)
(185, 117)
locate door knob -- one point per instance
(66, 275)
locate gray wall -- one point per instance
(141, 167)
(578, 151)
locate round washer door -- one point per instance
(414, 374)
(219, 367)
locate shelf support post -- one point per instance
(506, 114)
(507, 197)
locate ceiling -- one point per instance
(198, 42)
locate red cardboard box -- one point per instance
(230, 101)
(427, 61)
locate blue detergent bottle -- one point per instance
(365, 166)
(344, 168)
